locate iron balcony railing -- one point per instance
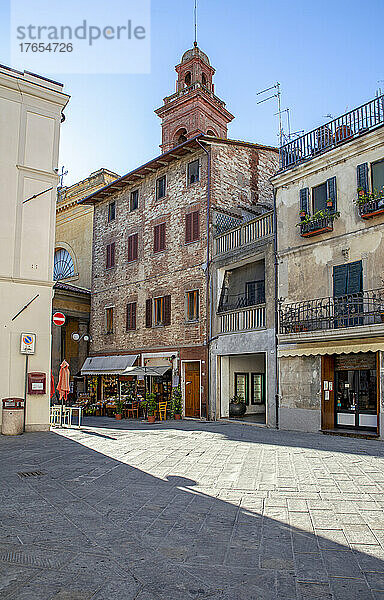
(238, 301)
(245, 234)
(328, 136)
(352, 310)
(316, 226)
(372, 207)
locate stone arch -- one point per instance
(188, 78)
(64, 262)
(180, 136)
(212, 133)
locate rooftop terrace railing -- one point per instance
(328, 136)
(245, 234)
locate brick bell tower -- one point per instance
(193, 108)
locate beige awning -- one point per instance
(149, 371)
(322, 348)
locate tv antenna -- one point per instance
(277, 95)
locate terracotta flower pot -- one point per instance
(151, 418)
(118, 417)
(177, 416)
(330, 204)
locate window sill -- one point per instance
(129, 262)
(159, 251)
(191, 242)
(161, 198)
(189, 183)
(192, 322)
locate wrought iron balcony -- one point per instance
(371, 208)
(352, 310)
(229, 302)
(316, 226)
(330, 135)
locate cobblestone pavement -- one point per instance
(181, 510)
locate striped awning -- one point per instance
(343, 347)
(108, 365)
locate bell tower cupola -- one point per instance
(193, 108)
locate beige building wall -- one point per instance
(74, 224)
(30, 116)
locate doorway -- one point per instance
(356, 399)
(192, 389)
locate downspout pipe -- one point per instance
(208, 279)
(277, 395)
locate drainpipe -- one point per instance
(208, 291)
(277, 395)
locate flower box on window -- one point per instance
(320, 222)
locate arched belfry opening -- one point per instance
(194, 107)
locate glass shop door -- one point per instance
(356, 399)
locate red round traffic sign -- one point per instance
(58, 318)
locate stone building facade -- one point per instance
(330, 212)
(72, 273)
(152, 252)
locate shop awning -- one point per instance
(150, 371)
(108, 365)
(343, 347)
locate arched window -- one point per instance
(180, 136)
(63, 266)
(188, 79)
(210, 132)
(204, 80)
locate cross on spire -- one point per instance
(195, 43)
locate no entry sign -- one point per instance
(58, 318)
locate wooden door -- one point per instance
(192, 389)
(327, 394)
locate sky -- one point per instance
(326, 54)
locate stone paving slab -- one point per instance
(180, 510)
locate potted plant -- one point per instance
(151, 404)
(329, 203)
(237, 406)
(119, 410)
(176, 402)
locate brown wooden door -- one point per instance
(327, 395)
(192, 389)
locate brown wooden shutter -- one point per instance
(327, 405)
(112, 254)
(132, 247)
(135, 246)
(131, 316)
(156, 239)
(148, 313)
(167, 310)
(195, 226)
(188, 228)
(162, 236)
(108, 259)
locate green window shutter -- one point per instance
(362, 177)
(332, 193)
(340, 276)
(304, 200)
(355, 277)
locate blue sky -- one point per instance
(327, 56)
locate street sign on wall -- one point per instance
(27, 343)
(58, 319)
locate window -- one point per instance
(158, 311)
(192, 227)
(378, 176)
(110, 255)
(159, 238)
(257, 388)
(134, 201)
(193, 172)
(188, 78)
(255, 292)
(203, 79)
(319, 196)
(160, 187)
(193, 305)
(133, 247)
(131, 316)
(109, 319)
(111, 211)
(241, 386)
(63, 266)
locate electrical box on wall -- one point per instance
(37, 383)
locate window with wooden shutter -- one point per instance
(167, 310)
(192, 227)
(348, 279)
(319, 197)
(193, 172)
(148, 313)
(158, 311)
(133, 247)
(111, 211)
(362, 177)
(109, 319)
(110, 255)
(159, 238)
(378, 177)
(193, 305)
(131, 316)
(331, 194)
(304, 200)
(160, 187)
(134, 200)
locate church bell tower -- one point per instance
(193, 108)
